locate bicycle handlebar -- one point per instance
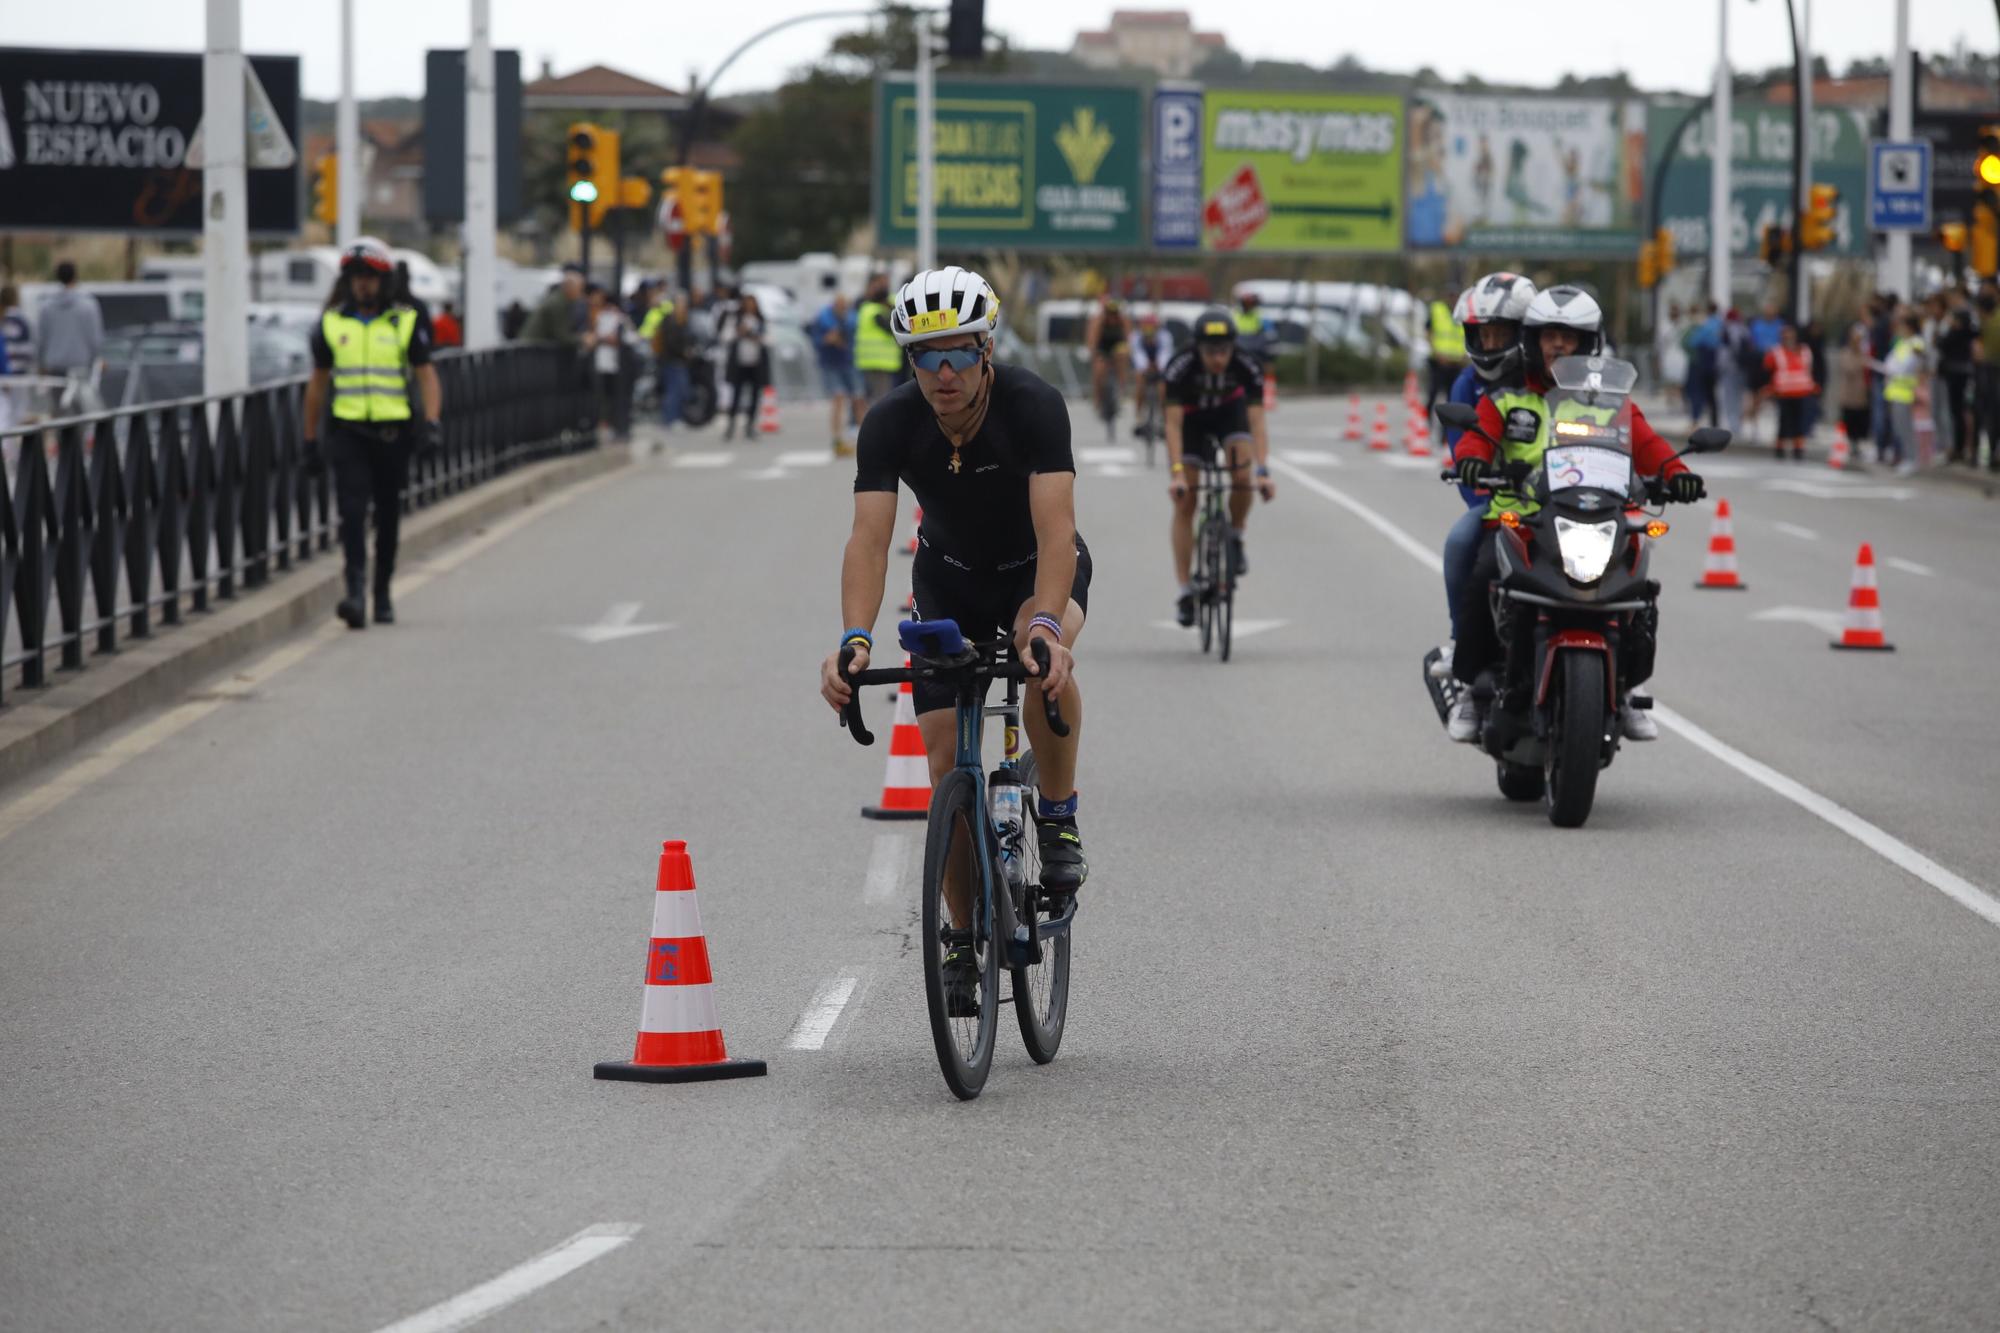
(978, 667)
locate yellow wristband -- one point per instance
(1179, 468)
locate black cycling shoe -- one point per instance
(1239, 563)
(961, 981)
(1063, 866)
(1184, 610)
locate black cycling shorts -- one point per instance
(1202, 431)
(983, 602)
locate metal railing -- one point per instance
(131, 518)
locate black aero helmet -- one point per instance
(1214, 326)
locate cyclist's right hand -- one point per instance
(835, 688)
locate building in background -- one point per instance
(1161, 40)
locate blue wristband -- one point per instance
(850, 635)
(1049, 623)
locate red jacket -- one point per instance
(1652, 456)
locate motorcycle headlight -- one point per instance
(1586, 548)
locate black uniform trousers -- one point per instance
(370, 464)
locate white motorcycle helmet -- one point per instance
(1497, 298)
(1567, 307)
(944, 303)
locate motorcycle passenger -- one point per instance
(1562, 321)
(1490, 313)
(1215, 397)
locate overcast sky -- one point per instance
(1670, 45)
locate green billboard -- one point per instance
(1304, 173)
(1760, 181)
(1019, 165)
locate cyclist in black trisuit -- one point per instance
(1108, 336)
(985, 450)
(1214, 392)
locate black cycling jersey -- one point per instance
(977, 517)
(1111, 333)
(1190, 386)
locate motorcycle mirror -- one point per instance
(1708, 440)
(1459, 416)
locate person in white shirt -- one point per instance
(605, 334)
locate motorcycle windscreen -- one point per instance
(1590, 425)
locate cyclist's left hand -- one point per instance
(1061, 663)
(1266, 487)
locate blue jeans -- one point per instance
(673, 391)
(1461, 552)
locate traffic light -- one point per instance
(1951, 235)
(1663, 251)
(1775, 244)
(965, 30)
(701, 201)
(326, 190)
(593, 173)
(1649, 264)
(1816, 230)
(1984, 246)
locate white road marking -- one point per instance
(617, 623)
(1242, 629)
(468, 1308)
(1909, 566)
(1313, 458)
(1819, 490)
(705, 458)
(885, 868)
(1877, 840)
(810, 1033)
(768, 474)
(1107, 453)
(1114, 470)
(806, 458)
(1407, 461)
(1829, 623)
(1794, 530)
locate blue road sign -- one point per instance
(1899, 185)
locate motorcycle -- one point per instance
(1572, 585)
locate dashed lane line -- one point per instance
(1909, 567)
(886, 863)
(1794, 530)
(816, 1023)
(468, 1308)
(1884, 844)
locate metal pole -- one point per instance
(1896, 252)
(347, 139)
(1801, 279)
(926, 150)
(1723, 148)
(583, 244)
(225, 231)
(1795, 260)
(481, 233)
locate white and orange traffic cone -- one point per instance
(1863, 628)
(767, 413)
(1419, 441)
(1719, 570)
(916, 526)
(1842, 450)
(680, 1038)
(906, 787)
(1409, 386)
(1270, 392)
(1354, 431)
(1378, 439)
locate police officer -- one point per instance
(1447, 354)
(367, 349)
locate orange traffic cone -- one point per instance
(1837, 457)
(1864, 608)
(906, 787)
(767, 415)
(1410, 386)
(1378, 439)
(1719, 571)
(916, 526)
(1270, 393)
(680, 1039)
(1419, 441)
(1354, 431)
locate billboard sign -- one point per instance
(1760, 172)
(1526, 175)
(1177, 194)
(1019, 165)
(99, 141)
(1302, 173)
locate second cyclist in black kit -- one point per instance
(985, 450)
(1215, 399)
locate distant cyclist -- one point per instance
(1152, 350)
(1215, 398)
(985, 450)
(1108, 335)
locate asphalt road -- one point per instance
(301, 985)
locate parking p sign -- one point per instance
(1899, 185)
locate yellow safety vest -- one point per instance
(1902, 388)
(1447, 338)
(371, 358)
(874, 346)
(651, 322)
(1519, 451)
(1249, 323)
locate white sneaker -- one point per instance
(1441, 669)
(1637, 723)
(1462, 724)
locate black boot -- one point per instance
(353, 608)
(385, 610)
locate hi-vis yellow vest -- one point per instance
(1447, 338)
(1902, 388)
(370, 361)
(874, 346)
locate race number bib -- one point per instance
(1583, 465)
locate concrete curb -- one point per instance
(38, 726)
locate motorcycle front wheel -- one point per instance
(1576, 739)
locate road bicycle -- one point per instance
(1214, 575)
(982, 866)
(1150, 428)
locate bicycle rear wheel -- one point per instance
(1225, 609)
(1212, 554)
(1041, 990)
(963, 1015)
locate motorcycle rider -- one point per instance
(1490, 313)
(1562, 321)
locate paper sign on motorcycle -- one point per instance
(1236, 212)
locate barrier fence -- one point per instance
(129, 519)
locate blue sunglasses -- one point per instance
(931, 359)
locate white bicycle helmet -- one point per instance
(944, 303)
(1566, 307)
(1495, 298)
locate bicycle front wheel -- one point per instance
(1225, 607)
(961, 956)
(1041, 990)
